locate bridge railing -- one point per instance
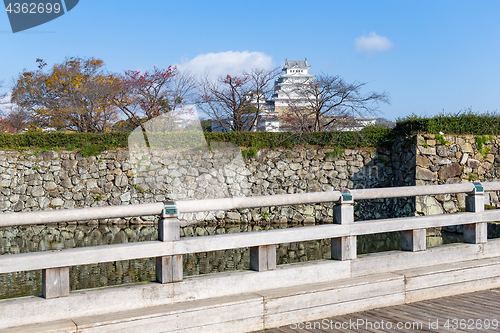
(170, 248)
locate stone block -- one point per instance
(4, 205)
(122, 155)
(464, 158)
(49, 155)
(442, 151)
(422, 161)
(473, 163)
(49, 186)
(67, 183)
(427, 151)
(450, 171)
(90, 184)
(125, 196)
(443, 161)
(466, 148)
(486, 165)
(233, 216)
(490, 158)
(428, 206)
(121, 180)
(425, 174)
(450, 207)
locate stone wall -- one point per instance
(452, 159)
(54, 180)
(64, 179)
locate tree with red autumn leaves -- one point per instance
(142, 96)
(5, 127)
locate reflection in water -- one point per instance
(24, 239)
(44, 238)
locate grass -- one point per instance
(89, 150)
(441, 141)
(265, 216)
(249, 153)
(335, 153)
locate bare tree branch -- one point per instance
(236, 102)
(327, 102)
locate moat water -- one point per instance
(57, 237)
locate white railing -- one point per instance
(169, 249)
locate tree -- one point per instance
(5, 127)
(236, 102)
(224, 99)
(16, 118)
(144, 96)
(74, 95)
(262, 86)
(328, 102)
(385, 122)
(1, 86)
(206, 125)
(124, 125)
(3, 100)
(4, 123)
(12, 117)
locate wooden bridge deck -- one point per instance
(472, 312)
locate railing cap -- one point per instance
(346, 196)
(478, 188)
(170, 209)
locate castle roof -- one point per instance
(296, 63)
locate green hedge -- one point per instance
(372, 136)
(467, 122)
(368, 137)
(58, 140)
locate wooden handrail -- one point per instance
(223, 204)
(118, 252)
(170, 248)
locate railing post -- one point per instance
(263, 258)
(475, 233)
(414, 240)
(344, 248)
(55, 282)
(169, 268)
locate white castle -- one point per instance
(286, 87)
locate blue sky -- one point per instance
(428, 55)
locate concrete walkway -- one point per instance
(472, 312)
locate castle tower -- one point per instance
(295, 74)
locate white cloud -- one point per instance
(223, 63)
(373, 43)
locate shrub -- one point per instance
(463, 122)
(372, 136)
